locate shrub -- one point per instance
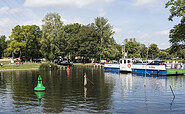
(48, 66)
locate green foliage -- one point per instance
(177, 37)
(86, 42)
(104, 33)
(177, 34)
(133, 49)
(163, 55)
(143, 50)
(3, 45)
(24, 41)
(153, 51)
(48, 66)
(52, 42)
(72, 31)
(177, 9)
(91, 40)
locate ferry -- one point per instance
(124, 65)
(156, 67)
(153, 68)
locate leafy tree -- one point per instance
(86, 42)
(163, 55)
(17, 42)
(32, 36)
(3, 45)
(24, 40)
(177, 9)
(153, 51)
(53, 37)
(143, 50)
(177, 35)
(16, 47)
(104, 32)
(71, 31)
(132, 48)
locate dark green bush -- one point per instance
(48, 66)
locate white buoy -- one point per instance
(85, 79)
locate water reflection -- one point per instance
(105, 92)
(39, 96)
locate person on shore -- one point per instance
(1, 64)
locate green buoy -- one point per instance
(39, 87)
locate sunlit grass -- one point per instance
(173, 71)
(7, 65)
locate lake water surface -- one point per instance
(106, 92)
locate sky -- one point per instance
(145, 20)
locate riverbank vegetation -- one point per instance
(48, 66)
(92, 41)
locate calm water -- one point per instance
(105, 92)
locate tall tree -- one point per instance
(32, 34)
(87, 42)
(72, 31)
(53, 37)
(153, 51)
(177, 36)
(24, 40)
(143, 50)
(133, 49)
(177, 9)
(3, 45)
(104, 32)
(17, 42)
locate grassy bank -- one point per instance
(173, 71)
(86, 64)
(7, 66)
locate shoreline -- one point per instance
(17, 69)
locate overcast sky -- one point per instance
(145, 20)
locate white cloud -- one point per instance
(66, 3)
(7, 10)
(6, 25)
(146, 3)
(164, 32)
(116, 30)
(32, 22)
(71, 21)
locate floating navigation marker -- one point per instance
(68, 69)
(85, 79)
(39, 87)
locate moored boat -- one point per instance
(154, 68)
(112, 67)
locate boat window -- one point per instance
(128, 61)
(120, 61)
(124, 61)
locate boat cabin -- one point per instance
(126, 65)
(157, 63)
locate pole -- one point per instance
(172, 91)
(124, 50)
(145, 75)
(147, 54)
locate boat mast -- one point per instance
(123, 49)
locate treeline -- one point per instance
(135, 49)
(92, 41)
